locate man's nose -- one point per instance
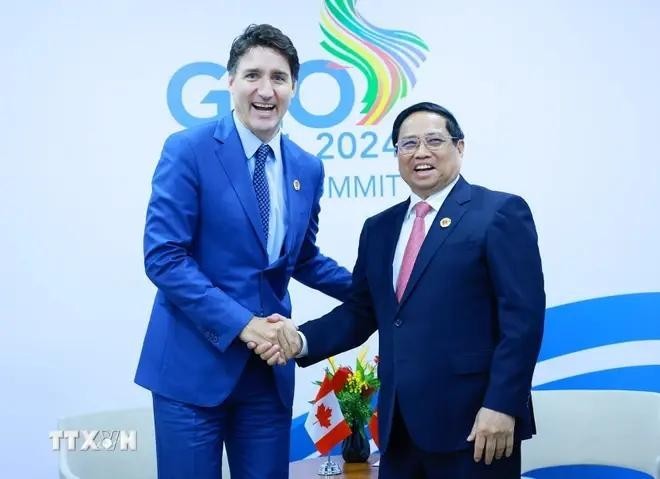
(422, 151)
(265, 89)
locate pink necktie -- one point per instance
(412, 248)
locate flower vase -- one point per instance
(355, 448)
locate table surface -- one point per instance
(309, 468)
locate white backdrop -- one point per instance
(558, 102)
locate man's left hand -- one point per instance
(492, 434)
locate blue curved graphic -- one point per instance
(601, 321)
(586, 471)
(637, 378)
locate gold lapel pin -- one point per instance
(296, 185)
(445, 222)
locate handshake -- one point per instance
(274, 338)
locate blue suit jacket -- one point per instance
(468, 329)
(205, 250)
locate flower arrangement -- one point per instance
(354, 389)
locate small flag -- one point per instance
(373, 428)
(325, 423)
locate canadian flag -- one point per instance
(373, 428)
(325, 423)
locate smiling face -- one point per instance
(261, 87)
(428, 170)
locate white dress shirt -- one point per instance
(275, 177)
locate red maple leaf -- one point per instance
(323, 414)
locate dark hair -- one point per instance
(268, 36)
(452, 125)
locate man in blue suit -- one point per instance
(451, 279)
(233, 216)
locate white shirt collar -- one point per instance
(250, 141)
(435, 200)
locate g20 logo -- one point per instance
(221, 98)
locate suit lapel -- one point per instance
(295, 205)
(453, 208)
(232, 157)
(389, 235)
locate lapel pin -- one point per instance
(296, 185)
(445, 222)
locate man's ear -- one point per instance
(460, 144)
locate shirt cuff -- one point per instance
(303, 349)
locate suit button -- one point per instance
(398, 322)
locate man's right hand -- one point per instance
(260, 333)
(274, 339)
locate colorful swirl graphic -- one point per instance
(386, 58)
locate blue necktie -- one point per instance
(260, 184)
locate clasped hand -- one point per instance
(274, 338)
